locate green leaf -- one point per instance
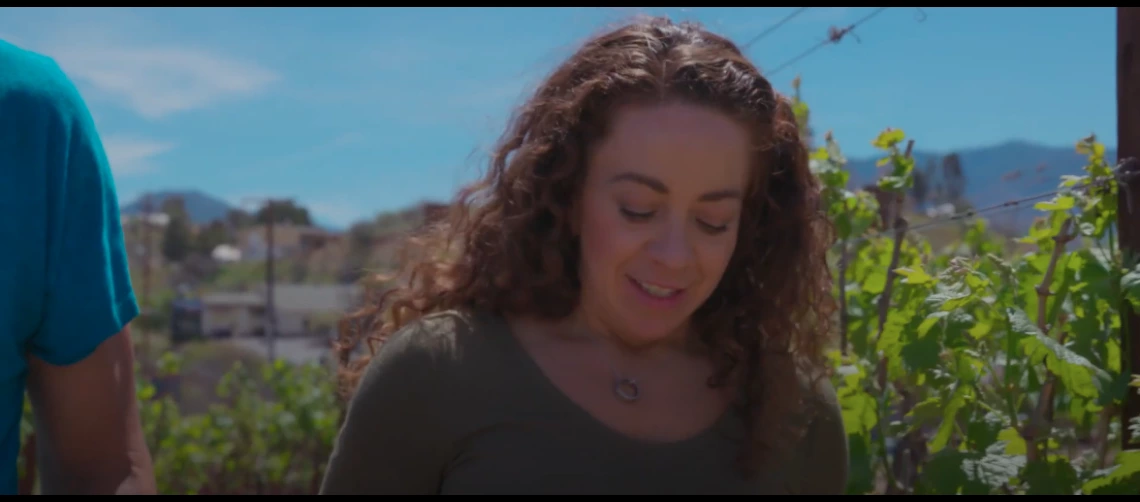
(1130, 287)
(914, 275)
(981, 434)
(1014, 443)
(992, 470)
(862, 473)
(943, 474)
(926, 411)
(956, 402)
(1053, 476)
(1121, 479)
(888, 138)
(1076, 373)
(948, 298)
(1059, 203)
(860, 412)
(921, 354)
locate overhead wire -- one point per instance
(1119, 176)
(834, 36)
(772, 29)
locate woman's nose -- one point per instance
(671, 247)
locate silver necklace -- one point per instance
(625, 388)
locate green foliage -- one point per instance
(177, 240)
(991, 374)
(283, 212)
(210, 237)
(272, 433)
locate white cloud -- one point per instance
(130, 156)
(130, 57)
(156, 81)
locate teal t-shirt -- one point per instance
(64, 282)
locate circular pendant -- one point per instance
(627, 390)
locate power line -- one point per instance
(834, 35)
(774, 27)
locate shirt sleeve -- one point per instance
(88, 295)
(394, 440)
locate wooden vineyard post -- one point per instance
(1128, 204)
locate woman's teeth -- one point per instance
(656, 290)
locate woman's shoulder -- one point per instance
(435, 333)
(435, 342)
(409, 409)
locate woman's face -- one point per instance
(658, 218)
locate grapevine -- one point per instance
(973, 370)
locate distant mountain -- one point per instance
(986, 168)
(201, 207)
(988, 172)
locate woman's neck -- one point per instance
(581, 324)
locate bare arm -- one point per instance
(80, 361)
(87, 424)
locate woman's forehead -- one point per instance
(682, 146)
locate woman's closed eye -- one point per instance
(637, 215)
(713, 229)
(640, 216)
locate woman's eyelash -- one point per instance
(636, 216)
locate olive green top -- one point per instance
(453, 404)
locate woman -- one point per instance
(633, 300)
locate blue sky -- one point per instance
(354, 111)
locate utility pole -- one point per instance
(270, 207)
(270, 308)
(147, 221)
(1128, 202)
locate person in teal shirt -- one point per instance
(65, 292)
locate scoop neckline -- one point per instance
(535, 372)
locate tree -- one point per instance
(920, 189)
(284, 212)
(953, 178)
(935, 192)
(176, 239)
(210, 237)
(236, 219)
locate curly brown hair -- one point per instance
(507, 246)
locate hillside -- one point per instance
(988, 174)
(991, 172)
(201, 207)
